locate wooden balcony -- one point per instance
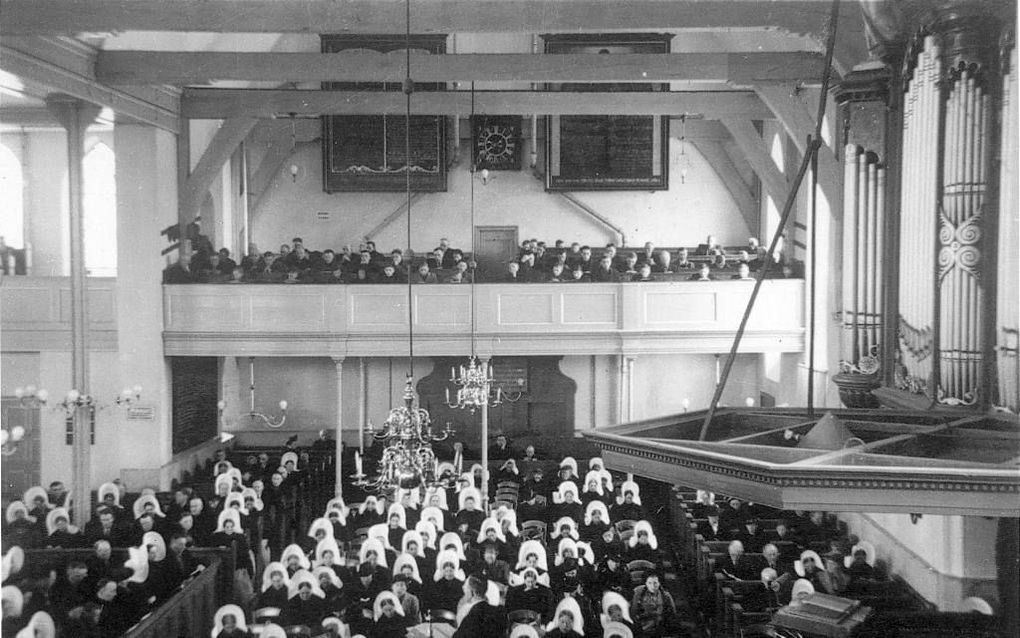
(530, 319)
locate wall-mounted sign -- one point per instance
(141, 413)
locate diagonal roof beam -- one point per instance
(752, 146)
(67, 66)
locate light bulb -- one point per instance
(221, 404)
(137, 389)
(73, 395)
(485, 175)
(126, 393)
(283, 405)
(686, 403)
(294, 172)
(4, 436)
(30, 390)
(749, 402)
(17, 433)
(43, 395)
(19, 391)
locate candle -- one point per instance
(448, 395)
(453, 373)
(357, 463)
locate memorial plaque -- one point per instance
(370, 152)
(607, 152)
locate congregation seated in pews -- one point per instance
(294, 263)
(572, 555)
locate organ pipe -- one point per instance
(1007, 320)
(921, 117)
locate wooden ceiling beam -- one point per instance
(180, 67)
(268, 103)
(57, 65)
(427, 16)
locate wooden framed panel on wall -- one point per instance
(369, 152)
(607, 152)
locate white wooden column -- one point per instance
(75, 116)
(338, 363)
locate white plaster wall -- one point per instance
(944, 558)
(52, 371)
(146, 203)
(683, 215)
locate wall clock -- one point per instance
(496, 142)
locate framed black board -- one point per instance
(369, 152)
(607, 152)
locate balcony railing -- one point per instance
(372, 320)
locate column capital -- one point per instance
(338, 360)
(72, 112)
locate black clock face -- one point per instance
(496, 144)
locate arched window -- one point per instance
(12, 213)
(100, 200)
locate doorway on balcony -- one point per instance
(495, 246)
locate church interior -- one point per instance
(380, 318)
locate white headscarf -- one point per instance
(566, 486)
(504, 513)
(51, 520)
(798, 565)
(596, 477)
(39, 626)
(13, 561)
(301, 577)
(568, 461)
(34, 492)
(238, 498)
(138, 563)
(333, 578)
(596, 463)
(17, 506)
(487, 524)
(221, 481)
(108, 488)
(469, 492)
(155, 539)
(374, 545)
(229, 515)
(565, 544)
(406, 559)
(290, 456)
(397, 509)
(644, 526)
(452, 538)
(596, 505)
(327, 544)
(272, 630)
(321, 523)
(532, 547)
(434, 515)
(631, 486)
(228, 610)
(256, 504)
(267, 575)
(295, 550)
(611, 598)
(381, 533)
(428, 533)
(566, 520)
(568, 604)
(444, 557)
(377, 605)
(438, 492)
(412, 535)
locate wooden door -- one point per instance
(21, 469)
(495, 246)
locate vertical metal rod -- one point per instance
(787, 209)
(814, 282)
